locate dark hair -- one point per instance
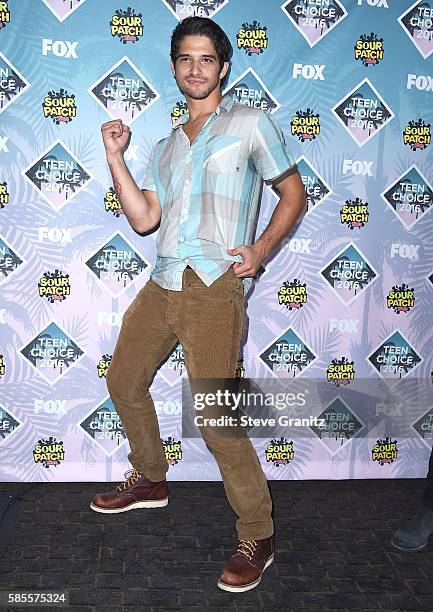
(201, 26)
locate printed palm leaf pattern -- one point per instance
(20, 395)
(90, 226)
(35, 311)
(42, 78)
(411, 452)
(421, 269)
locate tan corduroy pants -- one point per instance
(208, 322)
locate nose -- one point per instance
(195, 68)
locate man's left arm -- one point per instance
(288, 209)
(276, 166)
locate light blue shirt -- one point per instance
(209, 190)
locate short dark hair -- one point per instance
(201, 26)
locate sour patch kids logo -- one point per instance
(292, 294)
(55, 286)
(305, 125)
(126, 25)
(417, 134)
(401, 298)
(279, 452)
(252, 38)
(60, 106)
(369, 49)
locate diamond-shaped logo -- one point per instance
(8, 423)
(61, 8)
(174, 368)
(394, 358)
(194, 8)
(316, 188)
(9, 260)
(123, 92)
(339, 426)
(250, 90)
(288, 355)
(117, 264)
(416, 21)
(57, 175)
(410, 196)
(424, 427)
(314, 19)
(12, 83)
(52, 353)
(349, 273)
(363, 112)
(104, 427)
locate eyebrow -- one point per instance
(210, 55)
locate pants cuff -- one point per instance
(255, 535)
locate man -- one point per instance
(203, 184)
(415, 534)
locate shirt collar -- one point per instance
(226, 104)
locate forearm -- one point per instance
(133, 201)
(282, 220)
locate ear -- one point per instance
(172, 68)
(224, 70)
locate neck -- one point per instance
(198, 108)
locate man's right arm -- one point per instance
(141, 207)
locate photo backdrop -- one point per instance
(347, 295)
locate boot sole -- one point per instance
(409, 549)
(247, 587)
(156, 503)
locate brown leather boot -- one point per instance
(136, 492)
(245, 568)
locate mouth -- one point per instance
(196, 81)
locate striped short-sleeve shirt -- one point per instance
(209, 190)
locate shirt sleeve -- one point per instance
(268, 149)
(149, 179)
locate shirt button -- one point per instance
(186, 260)
(181, 239)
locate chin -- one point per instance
(198, 95)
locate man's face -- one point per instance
(197, 69)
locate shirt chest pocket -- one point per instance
(223, 155)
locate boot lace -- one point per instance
(247, 548)
(130, 477)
